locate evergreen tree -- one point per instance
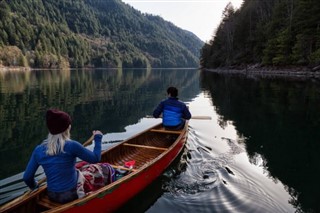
(267, 32)
(84, 31)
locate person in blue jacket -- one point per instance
(174, 112)
(57, 155)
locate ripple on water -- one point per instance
(193, 182)
(212, 183)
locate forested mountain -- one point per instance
(90, 33)
(266, 33)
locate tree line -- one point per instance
(90, 33)
(266, 33)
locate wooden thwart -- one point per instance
(147, 147)
(123, 168)
(47, 203)
(165, 131)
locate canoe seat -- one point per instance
(47, 203)
(163, 130)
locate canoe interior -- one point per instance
(152, 145)
(142, 148)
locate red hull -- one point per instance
(118, 195)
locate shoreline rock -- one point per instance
(6, 69)
(258, 71)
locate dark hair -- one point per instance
(172, 91)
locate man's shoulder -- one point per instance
(175, 102)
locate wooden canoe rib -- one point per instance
(153, 150)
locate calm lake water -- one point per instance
(258, 153)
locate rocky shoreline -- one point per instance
(2, 68)
(290, 72)
(287, 72)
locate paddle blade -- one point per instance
(198, 117)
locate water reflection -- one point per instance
(279, 120)
(257, 119)
(108, 100)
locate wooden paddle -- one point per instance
(89, 141)
(197, 117)
(201, 117)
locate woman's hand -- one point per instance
(97, 132)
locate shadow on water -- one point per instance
(280, 121)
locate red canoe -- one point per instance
(152, 150)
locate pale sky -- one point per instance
(201, 17)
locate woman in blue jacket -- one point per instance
(57, 155)
(174, 112)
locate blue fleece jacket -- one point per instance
(60, 169)
(172, 111)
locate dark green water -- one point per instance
(280, 119)
(259, 153)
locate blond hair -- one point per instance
(55, 143)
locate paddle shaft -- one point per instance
(89, 141)
(201, 117)
(197, 117)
